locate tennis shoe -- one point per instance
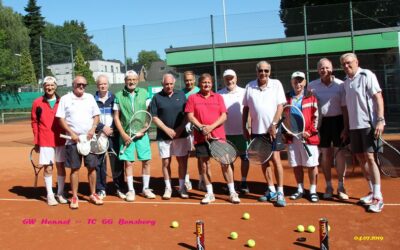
(328, 193)
(130, 196)
(167, 194)
(244, 189)
(95, 199)
(367, 200)
(268, 196)
(121, 195)
(51, 200)
(102, 194)
(296, 196)
(280, 202)
(342, 195)
(188, 185)
(74, 203)
(234, 198)
(208, 198)
(148, 193)
(61, 199)
(183, 193)
(376, 206)
(314, 197)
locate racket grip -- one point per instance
(307, 150)
(123, 150)
(65, 136)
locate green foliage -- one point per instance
(27, 72)
(81, 67)
(147, 57)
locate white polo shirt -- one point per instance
(234, 104)
(331, 98)
(357, 88)
(263, 104)
(78, 112)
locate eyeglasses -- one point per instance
(83, 85)
(263, 70)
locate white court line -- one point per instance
(212, 204)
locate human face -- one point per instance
(131, 82)
(350, 65)
(325, 69)
(190, 81)
(102, 85)
(50, 89)
(80, 84)
(205, 85)
(168, 85)
(230, 82)
(298, 85)
(263, 72)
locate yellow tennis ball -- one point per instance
(311, 229)
(175, 224)
(246, 216)
(251, 243)
(234, 235)
(300, 228)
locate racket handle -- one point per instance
(65, 136)
(123, 150)
(307, 150)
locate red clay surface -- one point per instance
(24, 211)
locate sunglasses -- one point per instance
(263, 70)
(83, 85)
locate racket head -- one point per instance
(223, 151)
(140, 121)
(259, 150)
(388, 159)
(34, 158)
(292, 119)
(99, 144)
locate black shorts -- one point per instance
(202, 150)
(277, 145)
(330, 130)
(363, 140)
(74, 160)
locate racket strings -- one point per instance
(223, 152)
(259, 150)
(388, 159)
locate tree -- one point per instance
(81, 67)
(35, 23)
(147, 57)
(27, 72)
(329, 16)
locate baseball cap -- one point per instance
(298, 74)
(229, 72)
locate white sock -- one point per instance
(280, 189)
(231, 187)
(146, 181)
(210, 190)
(60, 184)
(168, 184)
(329, 184)
(377, 191)
(272, 188)
(129, 181)
(300, 188)
(181, 183)
(371, 186)
(48, 180)
(187, 178)
(313, 189)
(340, 185)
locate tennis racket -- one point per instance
(140, 122)
(97, 145)
(34, 158)
(388, 158)
(111, 158)
(294, 124)
(344, 153)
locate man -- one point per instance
(105, 102)
(128, 101)
(167, 109)
(46, 134)
(233, 97)
(78, 114)
(331, 97)
(206, 110)
(366, 123)
(263, 100)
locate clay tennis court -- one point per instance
(145, 224)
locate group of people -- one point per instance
(335, 112)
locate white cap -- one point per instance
(229, 72)
(298, 74)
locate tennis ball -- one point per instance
(311, 229)
(246, 216)
(300, 228)
(174, 224)
(234, 235)
(251, 243)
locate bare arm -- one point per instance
(277, 116)
(380, 125)
(118, 125)
(160, 124)
(64, 125)
(245, 122)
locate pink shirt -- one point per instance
(206, 111)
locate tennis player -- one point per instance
(128, 101)
(105, 101)
(168, 110)
(366, 123)
(333, 126)
(46, 134)
(263, 101)
(297, 155)
(207, 111)
(233, 97)
(78, 114)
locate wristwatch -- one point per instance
(380, 119)
(274, 123)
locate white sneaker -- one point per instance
(208, 198)
(183, 193)
(342, 195)
(121, 195)
(148, 193)
(367, 200)
(61, 199)
(167, 194)
(376, 206)
(102, 194)
(130, 196)
(234, 198)
(51, 200)
(188, 185)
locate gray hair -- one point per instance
(321, 60)
(348, 55)
(262, 62)
(170, 75)
(101, 76)
(49, 79)
(131, 73)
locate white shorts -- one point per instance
(297, 155)
(49, 154)
(178, 147)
